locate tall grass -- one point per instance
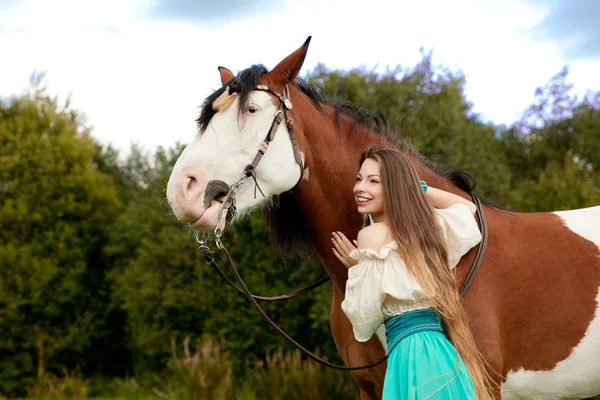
(288, 376)
(70, 385)
(205, 372)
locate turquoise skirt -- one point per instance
(423, 364)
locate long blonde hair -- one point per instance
(421, 244)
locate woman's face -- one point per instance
(368, 190)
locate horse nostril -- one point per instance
(214, 191)
(190, 187)
(190, 182)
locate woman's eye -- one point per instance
(357, 179)
(252, 110)
(374, 181)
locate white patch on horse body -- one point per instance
(577, 376)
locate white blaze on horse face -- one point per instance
(577, 376)
(222, 152)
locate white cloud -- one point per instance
(141, 80)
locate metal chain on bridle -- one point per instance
(228, 206)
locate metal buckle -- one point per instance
(204, 248)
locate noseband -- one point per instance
(229, 205)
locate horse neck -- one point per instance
(325, 194)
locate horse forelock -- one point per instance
(243, 84)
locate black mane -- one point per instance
(288, 228)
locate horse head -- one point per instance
(238, 122)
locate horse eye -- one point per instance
(251, 110)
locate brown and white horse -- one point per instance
(534, 306)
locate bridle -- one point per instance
(229, 205)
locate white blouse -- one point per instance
(379, 286)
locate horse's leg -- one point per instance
(354, 353)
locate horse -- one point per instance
(534, 305)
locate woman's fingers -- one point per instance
(346, 242)
(338, 243)
(342, 242)
(338, 255)
(342, 247)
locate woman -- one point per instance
(401, 275)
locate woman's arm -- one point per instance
(442, 199)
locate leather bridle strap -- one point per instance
(210, 260)
(480, 250)
(284, 106)
(265, 143)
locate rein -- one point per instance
(229, 205)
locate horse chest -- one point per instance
(578, 375)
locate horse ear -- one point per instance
(226, 75)
(289, 67)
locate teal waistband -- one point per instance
(400, 326)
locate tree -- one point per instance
(560, 186)
(557, 136)
(54, 205)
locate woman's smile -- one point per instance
(362, 200)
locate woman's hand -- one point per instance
(342, 248)
(442, 199)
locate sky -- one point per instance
(140, 69)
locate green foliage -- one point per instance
(205, 371)
(70, 386)
(54, 207)
(553, 150)
(560, 186)
(285, 376)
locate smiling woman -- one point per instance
(401, 275)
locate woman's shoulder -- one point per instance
(374, 236)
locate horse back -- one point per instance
(540, 289)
